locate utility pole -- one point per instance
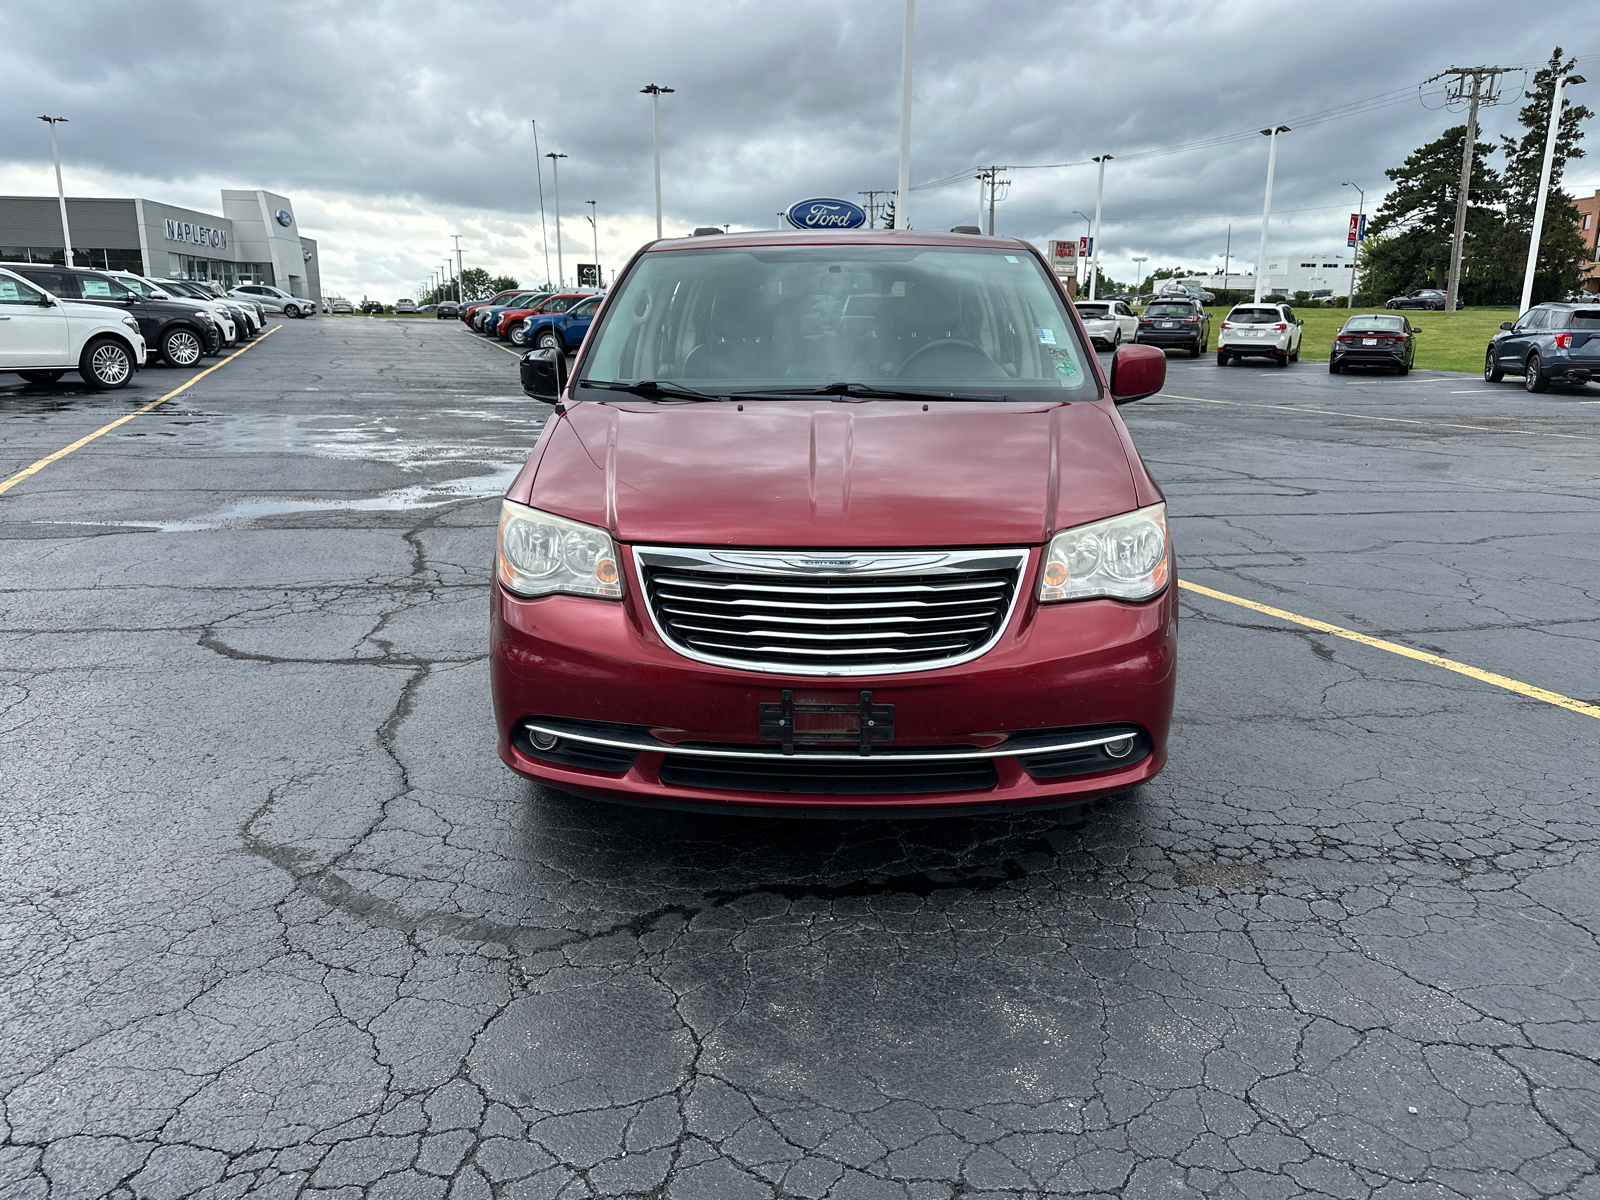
(1094, 238)
(595, 227)
(61, 194)
(873, 206)
(457, 238)
(1484, 89)
(1266, 205)
(555, 188)
(902, 198)
(1355, 254)
(1227, 257)
(989, 177)
(544, 233)
(1562, 80)
(655, 92)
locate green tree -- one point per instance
(1410, 233)
(502, 283)
(1561, 250)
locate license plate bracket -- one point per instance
(859, 723)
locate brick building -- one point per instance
(1588, 227)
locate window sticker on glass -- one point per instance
(1011, 258)
(1047, 337)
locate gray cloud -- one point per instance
(426, 108)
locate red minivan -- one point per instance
(836, 523)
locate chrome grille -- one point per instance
(820, 613)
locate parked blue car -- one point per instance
(1550, 343)
(486, 318)
(561, 331)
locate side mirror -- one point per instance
(45, 302)
(1506, 325)
(544, 375)
(1137, 372)
(1301, 321)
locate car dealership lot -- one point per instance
(279, 918)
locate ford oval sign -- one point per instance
(823, 213)
(284, 218)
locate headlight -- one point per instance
(541, 554)
(1122, 557)
(130, 323)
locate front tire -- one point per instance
(106, 364)
(41, 376)
(549, 340)
(519, 336)
(1491, 367)
(181, 347)
(291, 311)
(1534, 379)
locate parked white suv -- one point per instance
(275, 299)
(1108, 323)
(43, 337)
(1260, 330)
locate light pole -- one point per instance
(1544, 185)
(457, 239)
(594, 212)
(1361, 212)
(1266, 205)
(61, 194)
(1137, 259)
(656, 91)
(902, 196)
(555, 192)
(1088, 224)
(1094, 238)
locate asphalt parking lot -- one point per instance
(278, 921)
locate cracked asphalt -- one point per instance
(277, 922)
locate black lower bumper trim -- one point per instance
(793, 775)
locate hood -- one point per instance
(803, 473)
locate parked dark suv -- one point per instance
(1174, 322)
(1550, 343)
(183, 333)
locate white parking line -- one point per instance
(1328, 412)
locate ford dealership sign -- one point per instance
(822, 213)
(284, 218)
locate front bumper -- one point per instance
(1062, 680)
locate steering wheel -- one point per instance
(963, 345)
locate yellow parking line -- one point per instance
(1328, 412)
(84, 441)
(1449, 664)
(494, 343)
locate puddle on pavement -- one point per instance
(246, 512)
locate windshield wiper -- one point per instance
(650, 387)
(862, 391)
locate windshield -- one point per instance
(137, 285)
(1375, 325)
(1091, 312)
(1159, 309)
(1254, 316)
(911, 318)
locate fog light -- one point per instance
(1120, 748)
(547, 741)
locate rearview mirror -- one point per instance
(544, 375)
(1136, 372)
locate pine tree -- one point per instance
(1561, 250)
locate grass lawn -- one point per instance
(1447, 341)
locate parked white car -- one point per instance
(1108, 322)
(275, 299)
(405, 306)
(43, 337)
(1260, 331)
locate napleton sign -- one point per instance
(197, 235)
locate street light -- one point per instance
(1094, 238)
(1544, 186)
(593, 212)
(655, 91)
(1266, 204)
(1361, 212)
(902, 198)
(1137, 259)
(555, 189)
(61, 194)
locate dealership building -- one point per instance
(255, 240)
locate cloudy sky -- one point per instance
(394, 125)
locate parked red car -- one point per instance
(498, 298)
(836, 521)
(509, 326)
